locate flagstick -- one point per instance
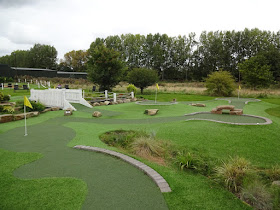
(156, 97)
(238, 92)
(25, 121)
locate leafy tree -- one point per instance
(42, 56)
(256, 72)
(142, 77)
(105, 67)
(74, 61)
(220, 83)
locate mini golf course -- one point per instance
(101, 181)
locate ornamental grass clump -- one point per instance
(257, 195)
(274, 173)
(233, 172)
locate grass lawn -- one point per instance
(258, 144)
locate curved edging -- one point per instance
(267, 121)
(156, 177)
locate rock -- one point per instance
(229, 107)
(106, 103)
(236, 112)
(96, 114)
(133, 99)
(113, 103)
(6, 118)
(120, 101)
(200, 105)
(96, 104)
(102, 103)
(68, 112)
(55, 108)
(174, 100)
(34, 113)
(19, 116)
(151, 112)
(215, 111)
(126, 100)
(276, 183)
(192, 104)
(47, 110)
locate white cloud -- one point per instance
(74, 24)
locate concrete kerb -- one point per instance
(267, 121)
(155, 176)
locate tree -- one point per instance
(105, 67)
(74, 61)
(42, 56)
(220, 83)
(142, 77)
(256, 72)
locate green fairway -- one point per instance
(47, 168)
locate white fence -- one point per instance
(59, 97)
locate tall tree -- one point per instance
(74, 61)
(105, 67)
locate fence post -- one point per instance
(28, 85)
(106, 94)
(115, 97)
(2, 86)
(132, 94)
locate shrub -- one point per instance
(37, 106)
(257, 195)
(1, 96)
(120, 138)
(4, 97)
(220, 83)
(233, 172)
(146, 146)
(131, 88)
(274, 173)
(8, 109)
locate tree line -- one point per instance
(174, 58)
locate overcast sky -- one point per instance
(74, 24)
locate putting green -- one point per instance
(112, 183)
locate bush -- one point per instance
(233, 172)
(4, 97)
(37, 106)
(8, 109)
(146, 146)
(220, 83)
(257, 195)
(131, 88)
(120, 138)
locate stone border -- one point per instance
(156, 177)
(171, 103)
(229, 101)
(267, 121)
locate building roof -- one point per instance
(30, 69)
(71, 72)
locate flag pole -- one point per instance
(25, 134)
(156, 97)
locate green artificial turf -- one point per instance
(167, 97)
(111, 183)
(258, 144)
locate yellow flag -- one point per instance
(157, 86)
(27, 102)
(239, 87)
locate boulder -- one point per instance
(133, 99)
(229, 107)
(96, 104)
(106, 103)
(200, 105)
(6, 118)
(102, 103)
(113, 103)
(215, 111)
(96, 114)
(192, 104)
(236, 112)
(126, 100)
(276, 183)
(55, 108)
(151, 112)
(47, 110)
(34, 113)
(120, 101)
(68, 112)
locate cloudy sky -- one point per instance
(74, 24)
